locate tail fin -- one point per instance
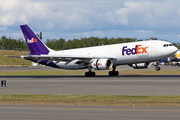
(35, 45)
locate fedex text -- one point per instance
(33, 40)
(137, 50)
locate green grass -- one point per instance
(81, 72)
(12, 61)
(113, 100)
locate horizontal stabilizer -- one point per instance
(24, 53)
(14, 56)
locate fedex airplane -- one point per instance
(135, 54)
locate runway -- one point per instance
(59, 112)
(141, 85)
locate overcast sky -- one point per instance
(99, 18)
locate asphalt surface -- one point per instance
(59, 112)
(100, 85)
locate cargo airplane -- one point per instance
(175, 59)
(135, 54)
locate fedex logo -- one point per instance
(98, 64)
(33, 40)
(137, 50)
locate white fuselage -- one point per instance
(125, 53)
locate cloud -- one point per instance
(81, 18)
(3, 28)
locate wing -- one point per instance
(81, 60)
(56, 58)
(59, 58)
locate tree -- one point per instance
(153, 38)
(177, 45)
(39, 35)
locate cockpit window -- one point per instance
(165, 45)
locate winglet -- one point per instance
(35, 45)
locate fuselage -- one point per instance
(124, 53)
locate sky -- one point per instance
(70, 19)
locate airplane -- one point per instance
(175, 58)
(135, 54)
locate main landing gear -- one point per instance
(157, 68)
(113, 72)
(90, 73)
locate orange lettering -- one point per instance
(34, 40)
(138, 48)
(144, 50)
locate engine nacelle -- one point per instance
(141, 65)
(102, 64)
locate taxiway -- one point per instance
(64, 112)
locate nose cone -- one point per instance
(174, 49)
(171, 50)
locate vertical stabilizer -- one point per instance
(36, 46)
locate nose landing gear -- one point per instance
(157, 68)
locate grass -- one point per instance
(10, 60)
(81, 72)
(107, 100)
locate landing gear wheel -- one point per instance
(177, 64)
(113, 73)
(157, 68)
(90, 74)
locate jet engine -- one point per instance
(102, 64)
(141, 65)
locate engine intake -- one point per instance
(102, 64)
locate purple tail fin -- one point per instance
(35, 45)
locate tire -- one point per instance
(90, 74)
(157, 68)
(113, 73)
(86, 74)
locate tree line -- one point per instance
(62, 44)
(13, 44)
